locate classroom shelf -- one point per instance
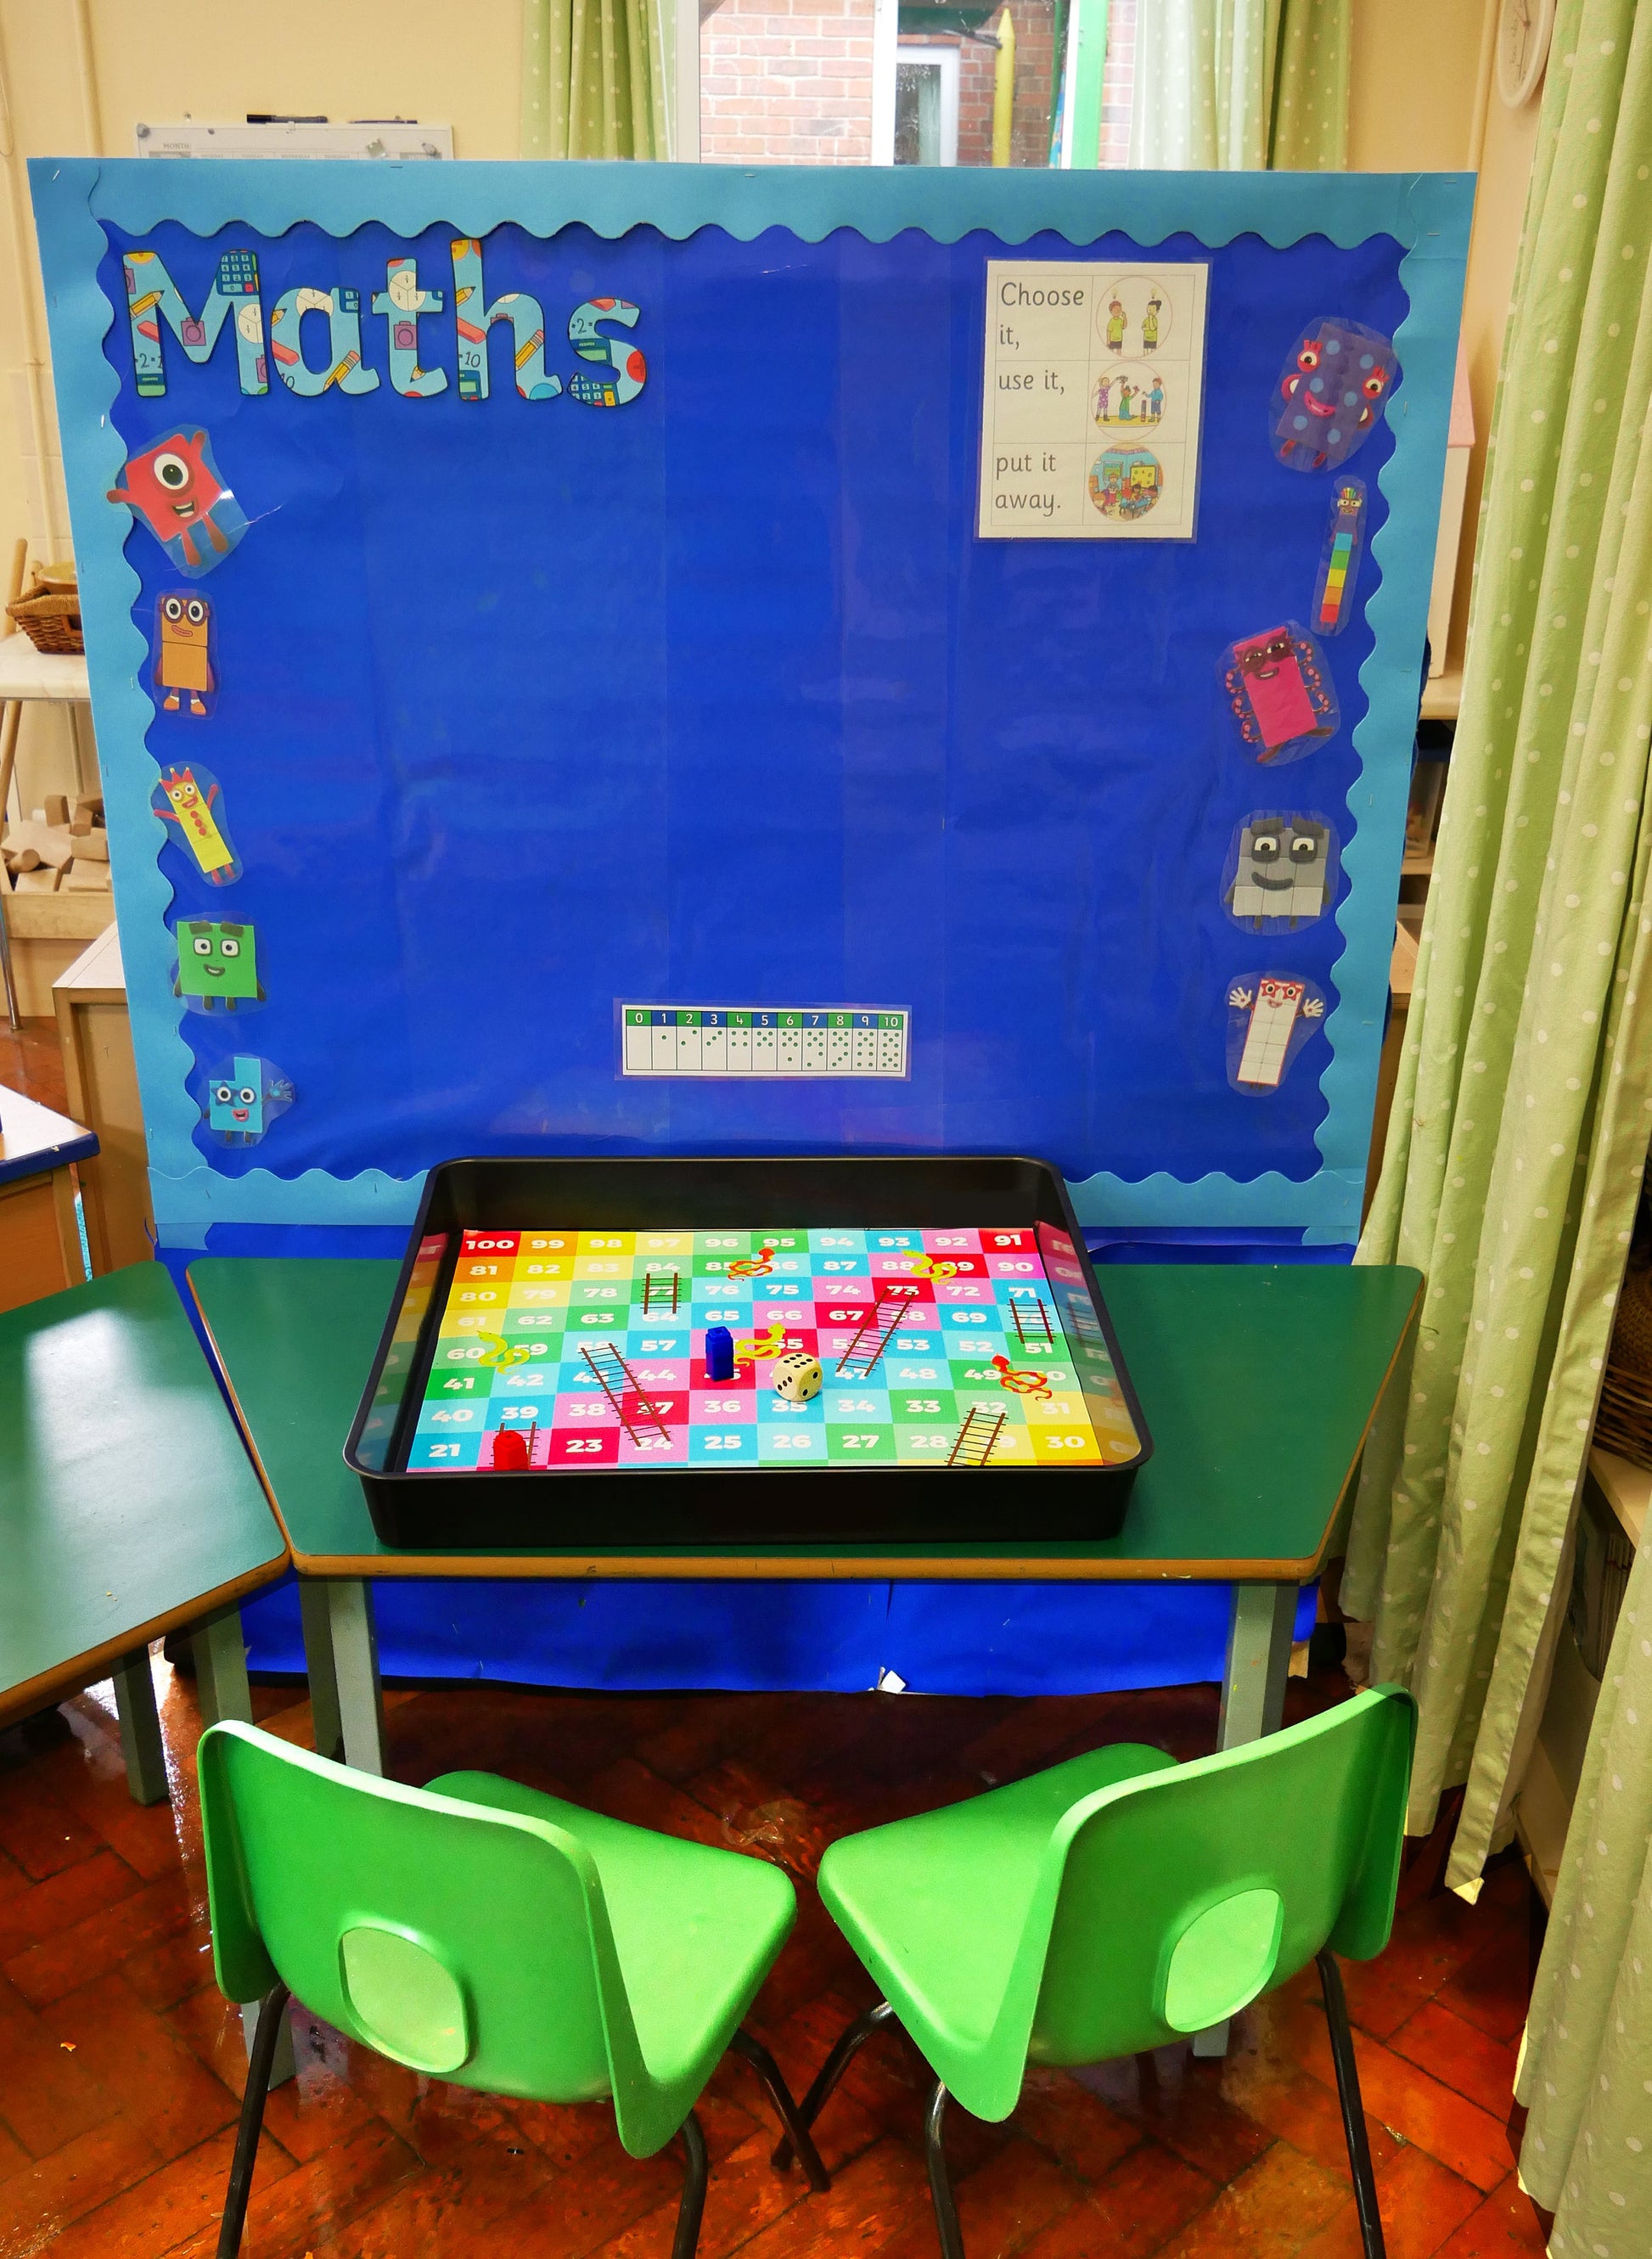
(1442, 695)
(1626, 1488)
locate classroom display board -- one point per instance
(668, 660)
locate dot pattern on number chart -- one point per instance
(938, 1348)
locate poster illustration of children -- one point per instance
(1149, 324)
(1115, 325)
(1156, 400)
(1123, 394)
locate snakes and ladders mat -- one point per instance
(912, 1348)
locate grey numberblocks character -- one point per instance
(1283, 871)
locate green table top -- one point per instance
(127, 1506)
(1259, 1384)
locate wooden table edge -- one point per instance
(94, 1663)
(953, 1568)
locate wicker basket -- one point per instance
(1624, 1423)
(51, 618)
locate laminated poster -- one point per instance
(1089, 411)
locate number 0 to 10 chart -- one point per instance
(761, 1040)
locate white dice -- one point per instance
(797, 1376)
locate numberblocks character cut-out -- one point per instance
(1330, 393)
(217, 967)
(1271, 1016)
(182, 670)
(244, 1098)
(173, 487)
(1280, 694)
(189, 799)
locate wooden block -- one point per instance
(86, 879)
(92, 846)
(52, 843)
(41, 881)
(25, 858)
(57, 808)
(79, 825)
(90, 803)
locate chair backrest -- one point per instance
(1183, 1895)
(467, 1943)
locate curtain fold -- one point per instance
(1239, 85)
(1520, 1117)
(1585, 2073)
(593, 79)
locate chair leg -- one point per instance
(1370, 2222)
(849, 2045)
(798, 2137)
(271, 2022)
(694, 2191)
(940, 2178)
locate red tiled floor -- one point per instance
(1460, 2055)
(1132, 2211)
(1421, 2202)
(30, 1061)
(1505, 2227)
(121, 2065)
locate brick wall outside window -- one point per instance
(1118, 83)
(787, 82)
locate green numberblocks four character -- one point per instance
(217, 964)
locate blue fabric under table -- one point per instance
(832, 1638)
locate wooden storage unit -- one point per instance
(39, 1231)
(1543, 1812)
(102, 1081)
(48, 932)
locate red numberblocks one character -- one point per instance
(173, 485)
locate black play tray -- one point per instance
(446, 1510)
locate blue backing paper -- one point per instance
(526, 707)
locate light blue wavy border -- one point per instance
(1429, 214)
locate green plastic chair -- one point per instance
(1121, 1901)
(481, 1932)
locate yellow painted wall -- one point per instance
(1413, 70)
(81, 74)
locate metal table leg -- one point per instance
(353, 1638)
(220, 1669)
(1252, 1695)
(220, 1676)
(140, 1741)
(1258, 1662)
(315, 1611)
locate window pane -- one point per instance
(808, 82)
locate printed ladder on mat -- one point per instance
(938, 1348)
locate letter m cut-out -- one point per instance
(152, 297)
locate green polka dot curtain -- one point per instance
(1520, 1130)
(1238, 85)
(593, 79)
